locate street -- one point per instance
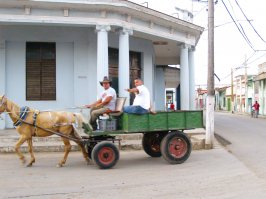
(206, 174)
(234, 171)
(248, 136)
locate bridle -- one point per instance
(3, 103)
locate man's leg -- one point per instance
(95, 113)
(135, 110)
(127, 109)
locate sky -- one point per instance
(231, 48)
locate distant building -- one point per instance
(201, 99)
(261, 92)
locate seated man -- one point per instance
(105, 103)
(141, 104)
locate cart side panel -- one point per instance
(194, 119)
(158, 121)
(135, 123)
(176, 120)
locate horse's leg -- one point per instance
(21, 140)
(30, 147)
(67, 150)
(85, 154)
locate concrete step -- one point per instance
(53, 143)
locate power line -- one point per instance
(249, 22)
(256, 59)
(242, 65)
(243, 34)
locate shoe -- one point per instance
(153, 112)
(87, 127)
(94, 127)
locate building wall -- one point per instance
(2, 74)
(262, 98)
(76, 64)
(160, 89)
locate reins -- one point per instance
(54, 132)
(45, 110)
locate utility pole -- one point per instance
(210, 81)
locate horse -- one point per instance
(31, 123)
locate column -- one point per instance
(191, 78)
(184, 78)
(102, 54)
(2, 77)
(123, 69)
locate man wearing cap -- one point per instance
(105, 103)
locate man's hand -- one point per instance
(87, 106)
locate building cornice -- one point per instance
(94, 12)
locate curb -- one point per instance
(54, 143)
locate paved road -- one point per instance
(248, 139)
(207, 174)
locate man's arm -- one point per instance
(132, 90)
(106, 101)
(94, 104)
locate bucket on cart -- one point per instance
(107, 124)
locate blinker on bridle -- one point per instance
(3, 103)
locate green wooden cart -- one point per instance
(162, 136)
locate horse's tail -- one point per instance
(77, 125)
(79, 119)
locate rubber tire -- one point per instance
(165, 147)
(96, 156)
(89, 147)
(151, 139)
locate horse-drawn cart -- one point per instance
(162, 132)
(162, 136)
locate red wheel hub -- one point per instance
(177, 147)
(106, 155)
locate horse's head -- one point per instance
(3, 101)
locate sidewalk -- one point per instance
(9, 137)
(240, 113)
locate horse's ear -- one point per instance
(4, 97)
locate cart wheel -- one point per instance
(176, 147)
(151, 143)
(105, 154)
(89, 152)
(89, 147)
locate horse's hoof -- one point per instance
(29, 165)
(23, 161)
(89, 162)
(59, 165)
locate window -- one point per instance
(40, 71)
(134, 65)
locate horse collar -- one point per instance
(22, 116)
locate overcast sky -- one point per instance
(230, 46)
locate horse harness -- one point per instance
(23, 115)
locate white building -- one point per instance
(53, 53)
